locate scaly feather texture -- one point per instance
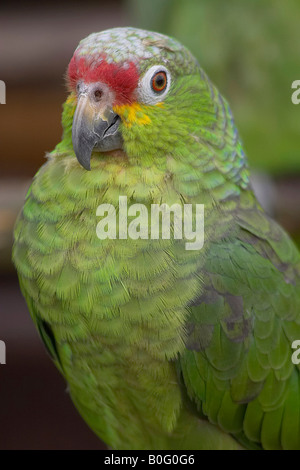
(164, 348)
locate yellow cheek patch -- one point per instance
(132, 114)
(70, 104)
(72, 99)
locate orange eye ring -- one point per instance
(159, 82)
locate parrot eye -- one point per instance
(159, 82)
(154, 85)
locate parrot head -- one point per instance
(132, 90)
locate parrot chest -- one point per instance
(116, 307)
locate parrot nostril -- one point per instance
(98, 94)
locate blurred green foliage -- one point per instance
(251, 51)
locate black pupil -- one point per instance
(160, 81)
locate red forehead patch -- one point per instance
(122, 79)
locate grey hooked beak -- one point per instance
(95, 128)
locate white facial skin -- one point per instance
(99, 95)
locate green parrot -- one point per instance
(161, 347)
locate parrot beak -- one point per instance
(95, 127)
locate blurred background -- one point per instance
(251, 51)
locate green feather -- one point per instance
(161, 347)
